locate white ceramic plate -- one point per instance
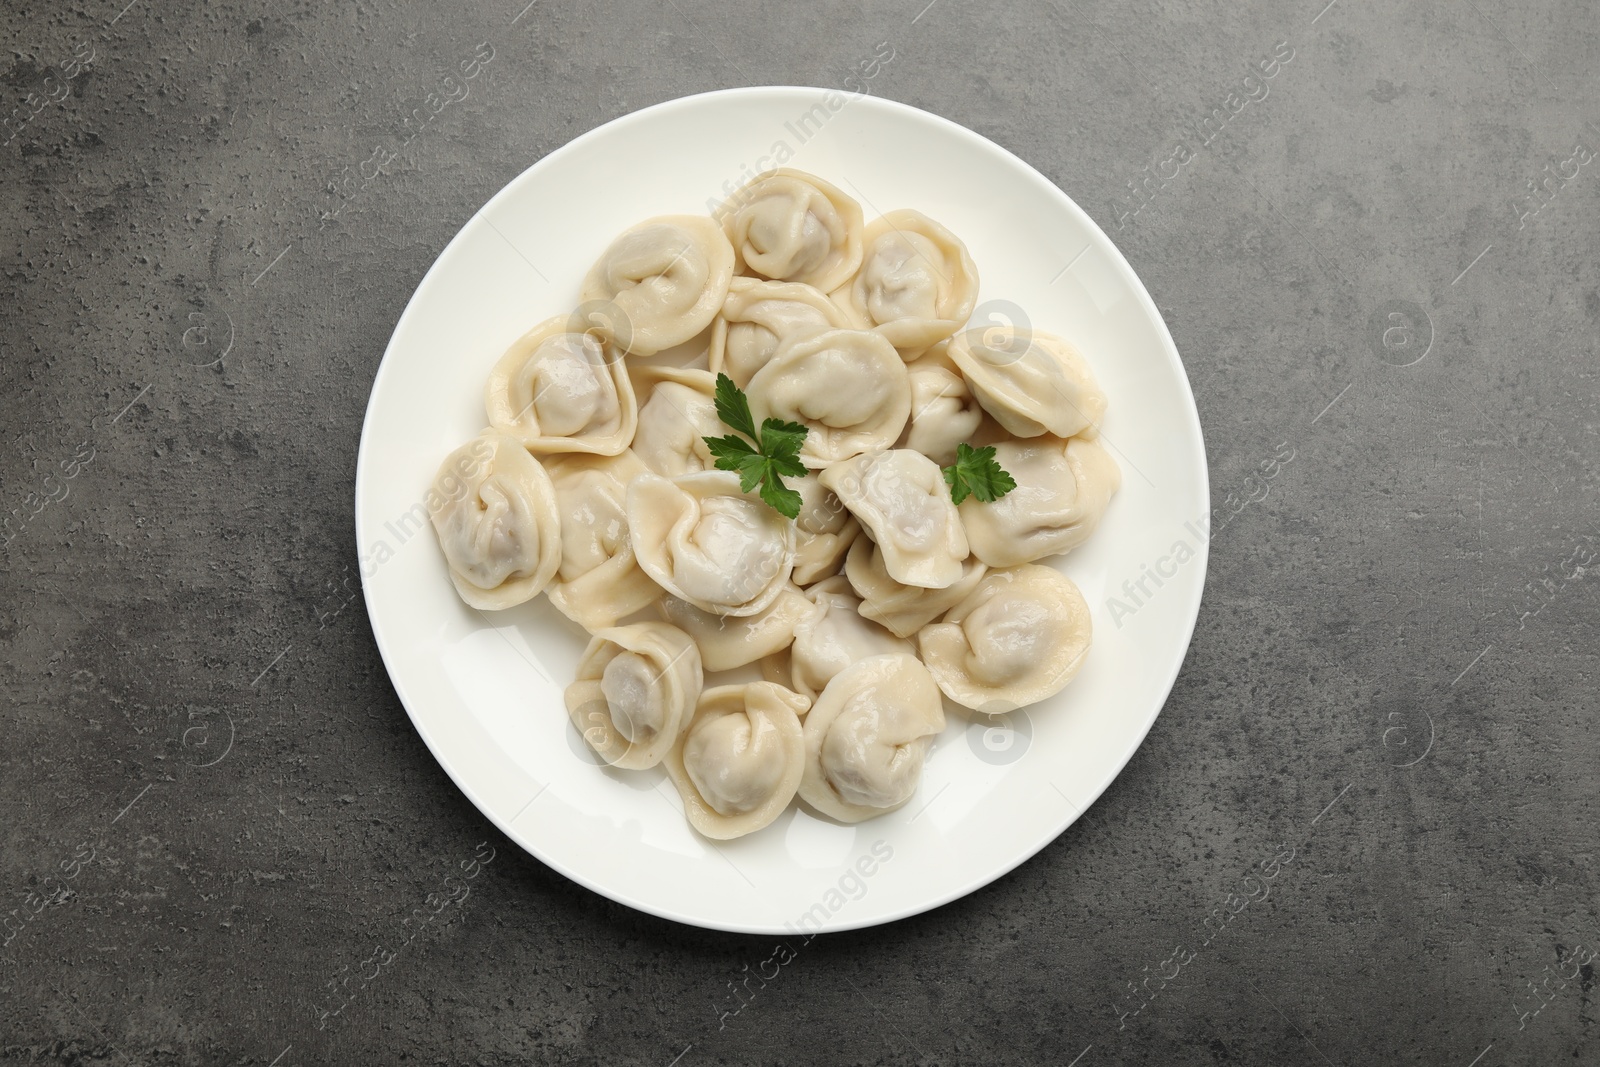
(485, 691)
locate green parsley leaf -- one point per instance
(753, 470)
(976, 473)
(730, 448)
(781, 439)
(761, 465)
(789, 465)
(784, 500)
(735, 454)
(733, 408)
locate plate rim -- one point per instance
(1169, 351)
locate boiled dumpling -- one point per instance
(901, 500)
(823, 531)
(678, 414)
(849, 388)
(1031, 382)
(726, 642)
(600, 580)
(556, 390)
(867, 737)
(775, 668)
(1019, 637)
(636, 690)
(917, 284)
(944, 413)
(665, 280)
(494, 510)
(739, 762)
(706, 542)
(759, 316)
(1062, 490)
(903, 609)
(791, 226)
(833, 635)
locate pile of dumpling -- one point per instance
(594, 483)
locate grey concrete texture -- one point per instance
(1376, 776)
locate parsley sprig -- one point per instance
(976, 473)
(776, 450)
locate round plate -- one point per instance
(485, 690)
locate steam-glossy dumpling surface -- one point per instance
(727, 641)
(901, 500)
(903, 609)
(636, 690)
(849, 388)
(494, 510)
(679, 412)
(664, 281)
(759, 316)
(916, 285)
(1063, 488)
(599, 580)
(944, 413)
(1031, 382)
(867, 737)
(704, 541)
(1019, 637)
(738, 764)
(556, 390)
(791, 226)
(833, 635)
(824, 530)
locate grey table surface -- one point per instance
(214, 810)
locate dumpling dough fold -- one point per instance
(759, 317)
(1020, 636)
(849, 388)
(903, 609)
(867, 737)
(1032, 382)
(678, 414)
(727, 642)
(494, 510)
(917, 285)
(704, 541)
(557, 390)
(823, 531)
(791, 226)
(636, 690)
(944, 413)
(659, 283)
(599, 580)
(833, 635)
(901, 500)
(1063, 489)
(738, 764)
